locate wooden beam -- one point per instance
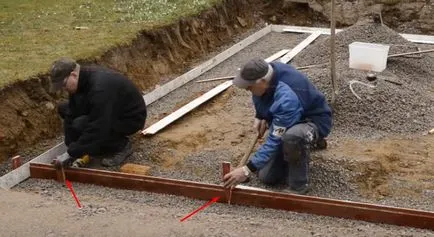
(154, 128)
(411, 53)
(415, 38)
(246, 196)
(204, 67)
(185, 109)
(22, 173)
(333, 53)
(216, 79)
(277, 55)
(297, 49)
(269, 59)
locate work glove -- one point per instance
(260, 126)
(235, 177)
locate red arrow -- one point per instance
(73, 193)
(213, 200)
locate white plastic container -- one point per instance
(367, 56)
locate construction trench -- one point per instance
(379, 151)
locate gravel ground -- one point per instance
(194, 147)
(387, 108)
(30, 153)
(222, 219)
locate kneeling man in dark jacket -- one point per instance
(104, 108)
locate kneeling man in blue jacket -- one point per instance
(298, 118)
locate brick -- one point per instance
(135, 169)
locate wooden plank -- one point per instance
(269, 59)
(185, 109)
(422, 39)
(22, 173)
(216, 79)
(197, 71)
(297, 49)
(154, 128)
(246, 196)
(131, 168)
(415, 38)
(277, 55)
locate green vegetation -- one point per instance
(33, 33)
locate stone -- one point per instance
(242, 22)
(50, 106)
(101, 210)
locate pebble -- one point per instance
(101, 210)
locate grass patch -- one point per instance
(33, 33)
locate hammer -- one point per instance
(59, 165)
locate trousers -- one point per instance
(291, 164)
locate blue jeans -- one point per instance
(291, 164)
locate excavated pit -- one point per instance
(28, 113)
(363, 163)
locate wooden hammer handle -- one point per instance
(248, 152)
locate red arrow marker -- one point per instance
(201, 208)
(73, 193)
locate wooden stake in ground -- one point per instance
(226, 167)
(16, 162)
(332, 53)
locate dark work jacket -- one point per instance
(106, 97)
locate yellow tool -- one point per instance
(81, 162)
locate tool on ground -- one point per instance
(248, 152)
(81, 162)
(59, 164)
(410, 53)
(431, 131)
(226, 169)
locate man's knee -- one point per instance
(296, 141)
(268, 178)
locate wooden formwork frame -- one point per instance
(39, 168)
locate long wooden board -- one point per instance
(291, 54)
(269, 59)
(199, 70)
(22, 173)
(185, 109)
(415, 38)
(154, 128)
(246, 196)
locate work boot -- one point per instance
(119, 157)
(321, 144)
(302, 190)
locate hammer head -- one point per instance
(62, 161)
